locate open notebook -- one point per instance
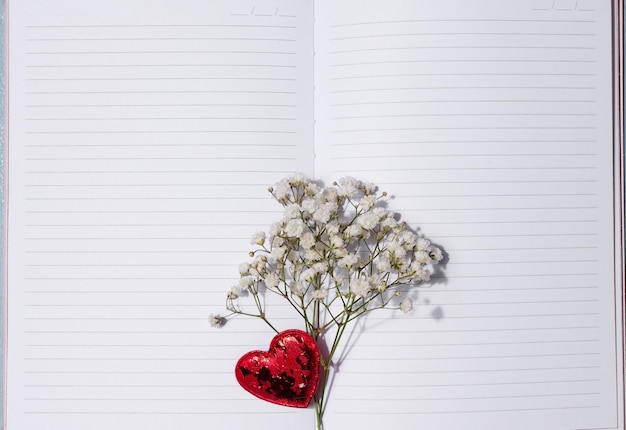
(142, 136)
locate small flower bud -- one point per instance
(406, 305)
(258, 238)
(216, 320)
(382, 286)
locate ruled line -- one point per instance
(487, 154)
(176, 144)
(428, 142)
(156, 413)
(490, 87)
(551, 381)
(196, 91)
(452, 398)
(443, 115)
(157, 52)
(459, 74)
(186, 25)
(165, 78)
(470, 411)
(164, 105)
(182, 131)
(463, 101)
(410, 21)
(120, 251)
(474, 60)
(129, 39)
(465, 34)
(404, 48)
(191, 118)
(155, 158)
(157, 65)
(467, 128)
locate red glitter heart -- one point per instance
(287, 374)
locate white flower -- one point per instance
(293, 255)
(311, 189)
(321, 267)
(275, 229)
(340, 252)
(382, 212)
(234, 292)
(323, 213)
(339, 279)
(309, 205)
(360, 287)
(408, 238)
(389, 222)
(336, 241)
(216, 320)
(292, 211)
(332, 206)
(422, 257)
(244, 269)
(367, 220)
(347, 186)
(272, 280)
(282, 190)
(420, 272)
(279, 252)
(396, 250)
(368, 188)
(308, 274)
(374, 280)
(258, 238)
(383, 264)
(277, 241)
(353, 230)
(297, 288)
(382, 287)
(435, 255)
(307, 240)
(294, 228)
(406, 305)
(312, 255)
(330, 194)
(332, 228)
(349, 260)
(399, 264)
(298, 179)
(246, 281)
(258, 266)
(367, 202)
(320, 294)
(422, 244)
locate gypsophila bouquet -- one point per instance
(336, 255)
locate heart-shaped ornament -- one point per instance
(287, 374)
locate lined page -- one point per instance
(490, 125)
(142, 136)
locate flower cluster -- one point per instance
(336, 254)
(334, 246)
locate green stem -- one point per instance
(269, 324)
(320, 404)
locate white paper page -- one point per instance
(490, 124)
(142, 136)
